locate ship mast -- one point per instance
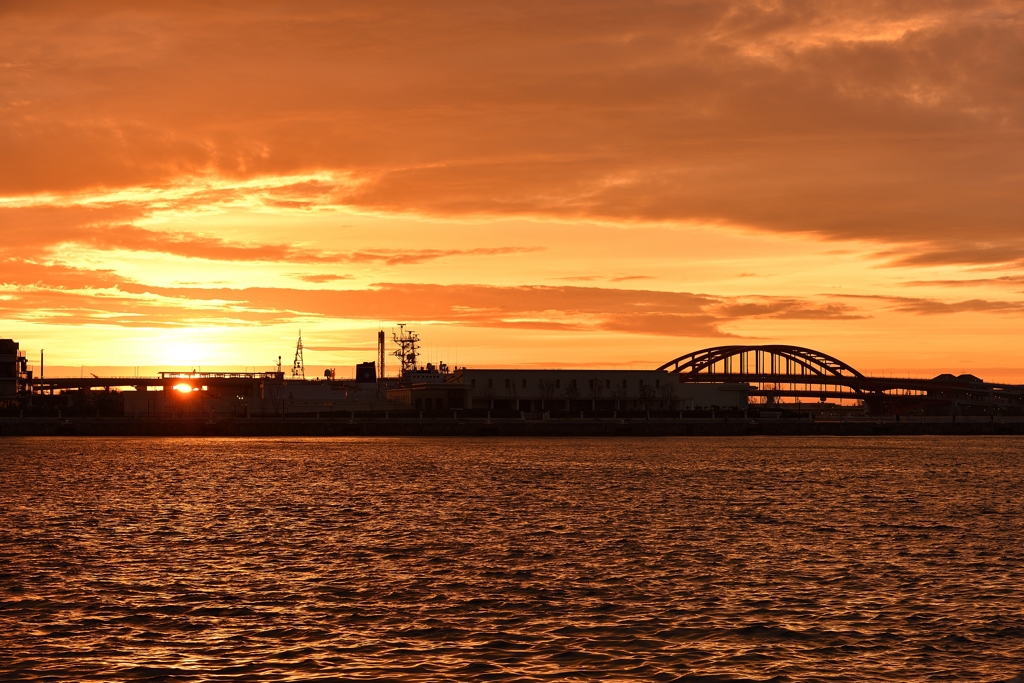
(408, 348)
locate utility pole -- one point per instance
(381, 385)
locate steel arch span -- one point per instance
(777, 370)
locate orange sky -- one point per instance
(597, 183)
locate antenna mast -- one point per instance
(298, 367)
(380, 356)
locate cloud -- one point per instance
(1010, 252)
(397, 257)
(595, 278)
(565, 308)
(20, 271)
(52, 236)
(673, 325)
(930, 307)
(892, 121)
(321, 278)
(476, 304)
(923, 306)
(98, 298)
(111, 308)
(1012, 280)
(785, 308)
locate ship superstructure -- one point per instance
(408, 353)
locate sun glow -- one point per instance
(183, 388)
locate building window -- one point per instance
(607, 384)
(558, 383)
(641, 383)
(657, 383)
(524, 384)
(508, 383)
(472, 382)
(623, 384)
(490, 383)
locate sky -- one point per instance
(532, 184)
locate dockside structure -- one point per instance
(15, 376)
(540, 390)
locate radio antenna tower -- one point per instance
(380, 356)
(407, 348)
(298, 367)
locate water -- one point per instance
(786, 559)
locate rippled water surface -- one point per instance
(787, 559)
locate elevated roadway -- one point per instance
(167, 380)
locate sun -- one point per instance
(183, 388)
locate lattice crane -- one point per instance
(298, 366)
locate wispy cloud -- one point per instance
(788, 308)
(321, 278)
(604, 278)
(199, 246)
(397, 257)
(926, 306)
(930, 307)
(100, 299)
(1005, 280)
(1010, 252)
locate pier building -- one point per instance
(540, 390)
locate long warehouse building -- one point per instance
(537, 390)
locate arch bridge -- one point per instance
(795, 372)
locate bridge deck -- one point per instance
(55, 383)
